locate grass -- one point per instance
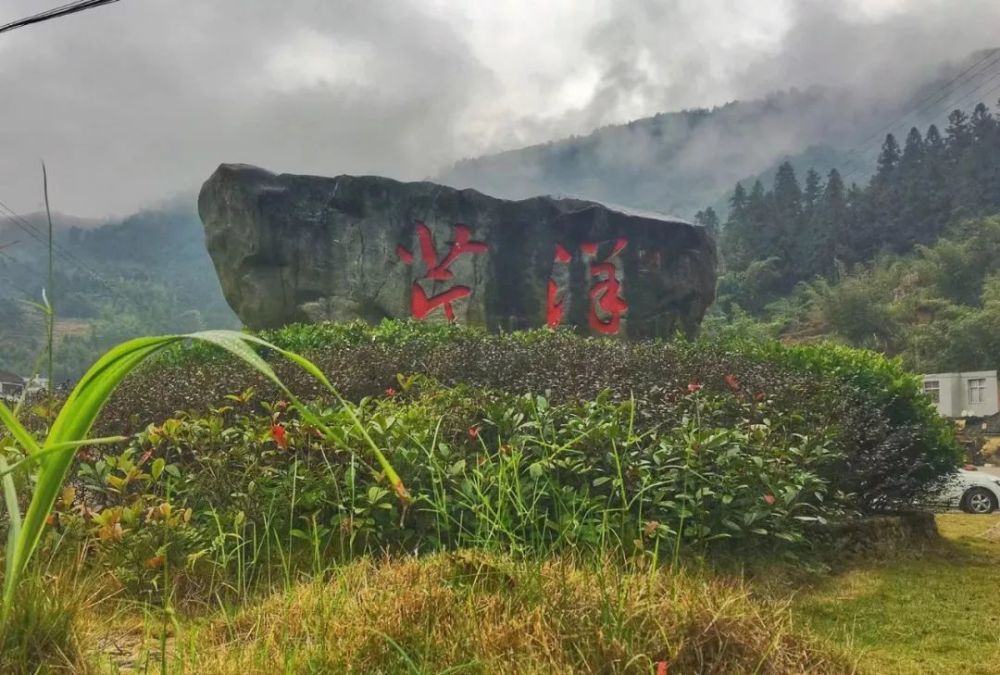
(70, 430)
(936, 612)
(931, 611)
(471, 612)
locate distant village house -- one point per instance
(963, 395)
(11, 385)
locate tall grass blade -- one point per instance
(73, 424)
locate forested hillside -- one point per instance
(906, 264)
(680, 162)
(149, 273)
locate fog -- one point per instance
(139, 100)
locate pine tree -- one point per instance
(958, 135)
(812, 193)
(888, 160)
(857, 231)
(786, 225)
(933, 143)
(832, 221)
(732, 242)
(710, 220)
(981, 123)
(913, 153)
(913, 192)
(738, 205)
(759, 233)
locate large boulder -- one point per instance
(293, 248)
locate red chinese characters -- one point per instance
(606, 302)
(439, 270)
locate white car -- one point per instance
(972, 491)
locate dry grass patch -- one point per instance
(474, 613)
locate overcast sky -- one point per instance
(134, 102)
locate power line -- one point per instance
(954, 103)
(43, 239)
(933, 99)
(55, 13)
(10, 281)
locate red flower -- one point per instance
(390, 392)
(278, 432)
(661, 668)
(732, 382)
(759, 396)
(694, 387)
(769, 500)
(474, 431)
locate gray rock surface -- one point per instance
(293, 248)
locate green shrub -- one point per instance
(900, 450)
(890, 440)
(483, 469)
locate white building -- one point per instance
(11, 386)
(972, 394)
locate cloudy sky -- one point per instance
(139, 100)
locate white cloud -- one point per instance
(140, 99)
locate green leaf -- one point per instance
(158, 465)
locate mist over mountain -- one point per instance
(680, 162)
(150, 272)
(145, 274)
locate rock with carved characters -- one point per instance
(290, 248)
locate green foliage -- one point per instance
(912, 198)
(147, 274)
(364, 362)
(938, 308)
(485, 470)
(71, 429)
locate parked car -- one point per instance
(970, 490)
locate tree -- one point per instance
(888, 160)
(787, 212)
(832, 221)
(732, 241)
(916, 193)
(812, 193)
(710, 220)
(959, 135)
(913, 153)
(758, 233)
(738, 204)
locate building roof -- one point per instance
(10, 378)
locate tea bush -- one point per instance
(889, 441)
(483, 469)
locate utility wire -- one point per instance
(55, 13)
(10, 281)
(38, 236)
(956, 103)
(990, 59)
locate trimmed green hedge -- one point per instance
(890, 440)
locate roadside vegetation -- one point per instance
(533, 502)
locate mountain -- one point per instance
(150, 272)
(144, 274)
(681, 162)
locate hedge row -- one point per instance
(891, 440)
